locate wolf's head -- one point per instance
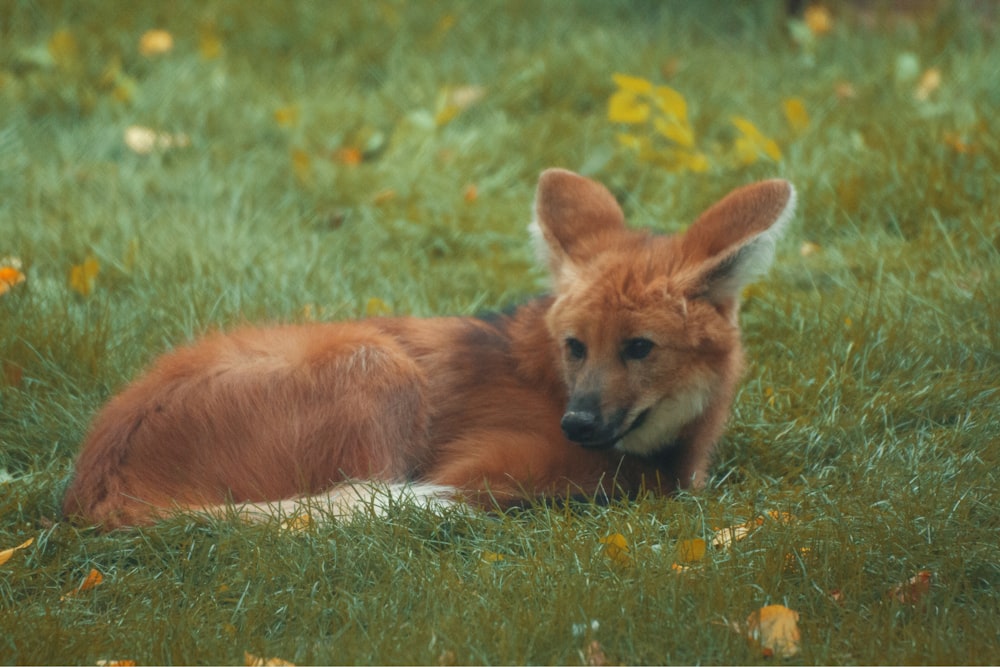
(647, 325)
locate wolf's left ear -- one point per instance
(572, 215)
(732, 243)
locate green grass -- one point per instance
(869, 411)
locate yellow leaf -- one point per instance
(302, 166)
(616, 549)
(209, 43)
(670, 102)
(690, 551)
(929, 83)
(775, 629)
(298, 523)
(286, 116)
(677, 131)
(753, 142)
(7, 554)
(625, 107)
(83, 276)
(632, 84)
(63, 48)
(818, 19)
(251, 660)
(349, 155)
(632, 142)
(156, 42)
(491, 557)
(796, 114)
(377, 307)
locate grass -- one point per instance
(869, 410)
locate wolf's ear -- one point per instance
(732, 243)
(572, 214)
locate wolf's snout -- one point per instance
(581, 425)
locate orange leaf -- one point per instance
(471, 193)
(93, 579)
(7, 554)
(349, 155)
(10, 273)
(251, 660)
(913, 589)
(775, 629)
(116, 663)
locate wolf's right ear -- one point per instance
(732, 243)
(572, 214)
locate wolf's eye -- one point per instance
(576, 349)
(637, 348)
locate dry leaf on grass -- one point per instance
(616, 549)
(93, 579)
(251, 660)
(775, 628)
(913, 589)
(7, 554)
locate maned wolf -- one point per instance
(621, 379)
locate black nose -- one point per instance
(581, 425)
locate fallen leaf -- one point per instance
(93, 579)
(10, 274)
(376, 307)
(83, 276)
(155, 42)
(115, 663)
(752, 143)
(251, 660)
(775, 629)
(818, 19)
(690, 551)
(930, 81)
(616, 549)
(302, 166)
(594, 655)
(845, 90)
(7, 554)
(298, 523)
(724, 538)
(471, 193)
(491, 557)
(453, 101)
(209, 43)
(808, 249)
(349, 155)
(796, 114)
(145, 140)
(63, 48)
(286, 116)
(837, 595)
(913, 589)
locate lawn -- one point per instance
(167, 169)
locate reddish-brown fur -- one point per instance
(274, 413)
